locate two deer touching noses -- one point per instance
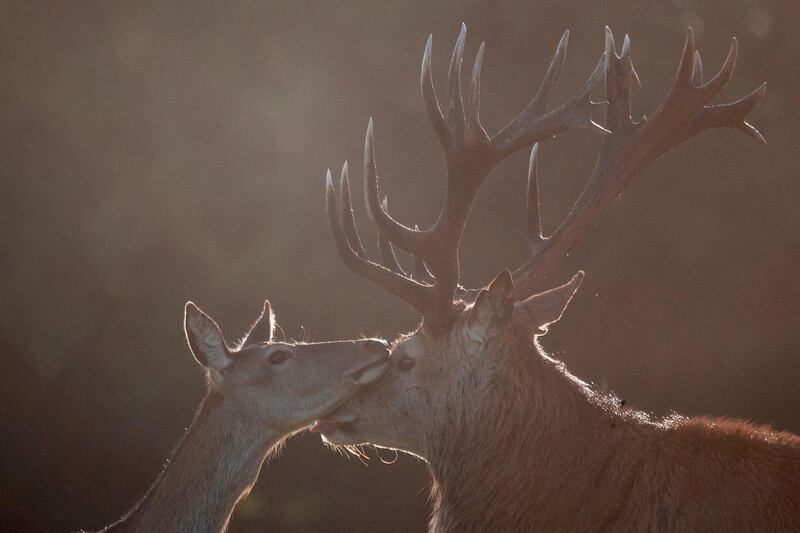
(513, 441)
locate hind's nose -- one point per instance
(377, 346)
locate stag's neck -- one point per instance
(534, 456)
(213, 467)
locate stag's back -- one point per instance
(727, 475)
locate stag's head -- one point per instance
(436, 376)
(282, 386)
(474, 346)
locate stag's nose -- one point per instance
(377, 346)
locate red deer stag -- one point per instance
(259, 393)
(514, 442)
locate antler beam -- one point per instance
(632, 146)
(470, 155)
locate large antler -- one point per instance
(684, 113)
(470, 155)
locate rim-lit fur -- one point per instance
(514, 442)
(258, 394)
(537, 450)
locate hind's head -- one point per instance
(281, 385)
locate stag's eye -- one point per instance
(279, 357)
(406, 363)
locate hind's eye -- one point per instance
(406, 363)
(279, 356)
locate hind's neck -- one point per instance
(213, 467)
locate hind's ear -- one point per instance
(205, 339)
(492, 309)
(547, 307)
(263, 328)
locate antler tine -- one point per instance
(632, 146)
(391, 229)
(388, 257)
(348, 218)
(399, 285)
(549, 84)
(683, 77)
(713, 87)
(697, 70)
(472, 102)
(429, 94)
(625, 54)
(455, 104)
(421, 272)
(535, 237)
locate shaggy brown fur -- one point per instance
(514, 442)
(542, 452)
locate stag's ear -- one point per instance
(205, 339)
(263, 328)
(493, 308)
(547, 307)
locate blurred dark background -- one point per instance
(155, 152)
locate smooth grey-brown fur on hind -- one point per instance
(257, 395)
(214, 466)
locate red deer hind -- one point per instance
(514, 442)
(259, 393)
